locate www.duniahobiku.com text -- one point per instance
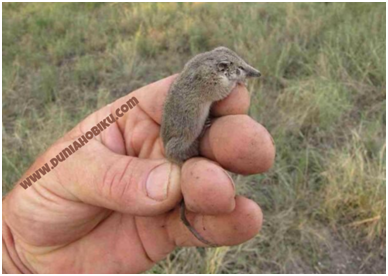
(79, 143)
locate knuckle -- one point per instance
(118, 183)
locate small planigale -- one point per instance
(205, 79)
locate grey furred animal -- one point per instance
(205, 79)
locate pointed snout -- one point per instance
(251, 72)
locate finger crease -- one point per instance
(148, 257)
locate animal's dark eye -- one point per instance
(223, 65)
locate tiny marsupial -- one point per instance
(207, 78)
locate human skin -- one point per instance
(113, 206)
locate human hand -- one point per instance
(113, 205)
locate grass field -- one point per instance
(322, 97)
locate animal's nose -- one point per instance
(252, 72)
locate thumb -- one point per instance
(122, 183)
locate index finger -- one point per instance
(152, 97)
(237, 102)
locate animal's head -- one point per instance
(229, 65)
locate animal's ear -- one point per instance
(221, 48)
(223, 65)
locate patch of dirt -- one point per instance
(341, 258)
(298, 266)
(346, 259)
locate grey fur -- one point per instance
(206, 78)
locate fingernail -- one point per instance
(158, 182)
